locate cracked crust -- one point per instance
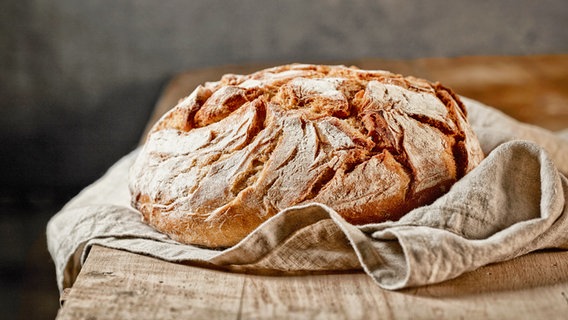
(371, 144)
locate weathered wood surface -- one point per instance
(120, 285)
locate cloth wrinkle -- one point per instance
(513, 203)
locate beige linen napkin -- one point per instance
(512, 204)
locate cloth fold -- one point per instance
(513, 203)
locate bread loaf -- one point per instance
(372, 145)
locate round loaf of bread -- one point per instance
(372, 145)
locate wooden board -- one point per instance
(120, 285)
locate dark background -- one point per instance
(78, 80)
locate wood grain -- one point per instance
(121, 285)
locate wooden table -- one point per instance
(115, 284)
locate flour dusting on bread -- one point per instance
(372, 145)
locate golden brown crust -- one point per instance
(370, 144)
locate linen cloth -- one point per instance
(513, 203)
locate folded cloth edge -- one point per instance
(356, 235)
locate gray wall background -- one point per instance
(78, 79)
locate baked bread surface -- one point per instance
(372, 145)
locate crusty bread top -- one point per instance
(370, 144)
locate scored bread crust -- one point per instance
(372, 145)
